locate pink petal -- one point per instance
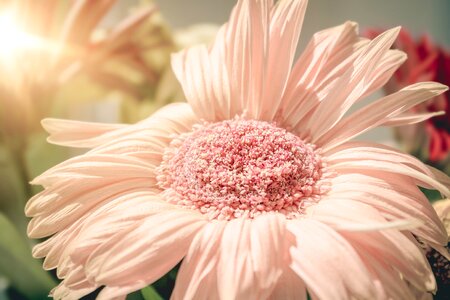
(63, 194)
(383, 159)
(349, 215)
(76, 133)
(114, 218)
(411, 118)
(285, 26)
(398, 250)
(327, 262)
(289, 287)
(147, 251)
(193, 68)
(90, 135)
(235, 266)
(86, 232)
(246, 54)
(384, 70)
(217, 256)
(394, 198)
(335, 104)
(131, 225)
(66, 205)
(325, 58)
(228, 79)
(63, 292)
(387, 280)
(52, 248)
(267, 242)
(96, 167)
(378, 113)
(197, 277)
(380, 74)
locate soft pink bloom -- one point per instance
(254, 183)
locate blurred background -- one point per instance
(109, 61)
(418, 16)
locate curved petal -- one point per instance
(129, 158)
(235, 266)
(388, 63)
(118, 213)
(228, 79)
(147, 251)
(174, 118)
(76, 133)
(109, 220)
(104, 224)
(243, 245)
(411, 118)
(289, 287)
(238, 259)
(197, 277)
(193, 68)
(95, 167)
(357, 157)
(388, 282)
(349, 215)
(63, 292)
(267, 242)
(356, 82)
(327, 263)
(396, 249)
(394, 198)
(378, 113)
(325, 58)
(285, 26)
(55, 210)
(247, 35)
(232, 77)
(392, 246)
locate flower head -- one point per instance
(254, 182)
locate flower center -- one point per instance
(241, 168)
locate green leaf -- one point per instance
(18, 266)
(3, 286)
(42, 155)
(432, 195)
(149, 293)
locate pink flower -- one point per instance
(426, 61)
(254, 183)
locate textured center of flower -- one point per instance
(241, 168)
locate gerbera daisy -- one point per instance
(253, 183)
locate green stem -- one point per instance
(22, 168)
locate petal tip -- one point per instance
(47, 124)
(390, 34)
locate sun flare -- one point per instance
(14, 38)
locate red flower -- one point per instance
(426, 62)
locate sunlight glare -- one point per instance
(13, 38)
